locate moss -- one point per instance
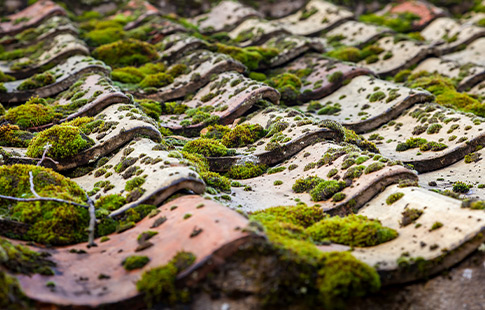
(287, 84)
(277, 182)
(393, 198)
(257, 76)
(135, 262)
(374, 167)
(3, 89)
(351, 54)
(130, 75)
(50, 222)
(461, 187)
(246, 171)
(436, 225)
(434, 128)
(110, 202)
(306, 184)
(326, 189)
(11, 135)
(11, 295)
(123, 53)
(31, 115)
(37, 81)
(205, 147)
(276, 169)
(5, 77)
(215, 180)
(243, 135)
(338, 197)
(377, 96)
(252, 57)
(215, 131)
(173, 108)
(353, 230)
(472, 157)
(402, 76)
(158, 284)
(177, 70)
(156, 80)
(410, 215)
(134, 183)
(403, 22)
(65, 141)
(300, 215)
(354, 172)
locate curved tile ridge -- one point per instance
(448, 35)
(54, 52)
(29, 17)
(49, 28)
(115, 126)
(474, 53)
(355, 33)
(290, 47)
(467, 75)
(67, 73)
(316, 161)
(397, 56)
(366, 103)
(255, 31)
(225, 16)
(421, 250)
(446, 136)
(292, 133)
(315, 17)
(324, 75)
(229, 96)
(202, 64)
(162, 175)
(220, 235)
(177, 45)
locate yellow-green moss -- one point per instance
(206, 147)
(156, 80)
(37, 81)
(158, 284)
(216, 180)
(252, 56)
(11, 135)
(31, 115)
(123, 53)
(394, 197)
(246, 171)
(50, 222)
(66, 141)
(135, 262)
(243, 135)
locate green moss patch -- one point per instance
(205, 147)
(135, 262)
(31, 114)
(246, 171)
(50, 222)
(123, 53)
(65, 141)
(353, 230)
(243, 135)
(37, 81)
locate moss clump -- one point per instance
(50, 222)
(326, 189)
(215, 131)
(246, 171)
(252, 57)
(336, 275)
(288, 85)
(215, 180)
(353, 54)
(31, 115)
(11, 295)
(377, 96)
(11, 135)
(158, 284)
(403, 22)
(436, 225)
(434, 128)
(243, 135)
(130, 75)
(20, 259)
(110, 202)
(335, 77)
(305, 185)
(276, 170)
(394, 197)
(65, 141)
(134, 183)
(472, 157)
(410, 215)
(135, 262)
(205, 147)
(461, 187)
(353, 230)
(338, 197)
(99, 32)
(156, 80)
(374, 167)
(402, 76)
(123, 53)
(5, 77)
(37, 81)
